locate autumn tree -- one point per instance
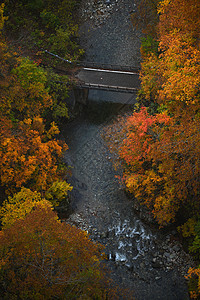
(180, 17)
(179, 73)
(166, 176)
(44, 25)
(58, 87)
(42, 258)
(29, 155)
(17, 207)
(170, 82)
(145, 16)
(171, 77)
(2, 17)
(24, 91)
(160, 160)
(20, 204)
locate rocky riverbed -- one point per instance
(142, 259)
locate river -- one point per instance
(140, 258)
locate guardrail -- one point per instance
(57, 56)
(95, 64)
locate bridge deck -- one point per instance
(113, 79)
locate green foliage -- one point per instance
(188, 228)
(60, 110)
(29, 74)
(49, 19)
(150, 84)
(63, 9)
(149, 45)
(33, 5)
(63, 39)
(30, 93)
(58, 86)
(195, 247)
(48, 24)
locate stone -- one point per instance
(154, 260)
(156, 265)
(142, 265)
(176, 248)
(172, 256)
(158, 278)
(104, 235)
(166, 254)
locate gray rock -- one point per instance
(156, 265)
(142, 265)
(172, 256)
(176, 248)
(166, 254)
(104, 235)
(154, 259)
(158, 278)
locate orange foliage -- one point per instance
(27, 157)
(179, 16)
(41, 258)
(160, 159)
(180, 71)
(194, 273)
(172, 77)
(149, 76)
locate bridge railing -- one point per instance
(107, 87)
(87, 64)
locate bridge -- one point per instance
(106, 77)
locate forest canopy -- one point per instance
(40, 257)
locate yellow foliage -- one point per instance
(2, 18)
(162, 5)
(53, 130)
(58, 192)
(18, 206)
(188, 228)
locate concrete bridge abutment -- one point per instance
(81, 95)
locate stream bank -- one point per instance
(151, 264)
